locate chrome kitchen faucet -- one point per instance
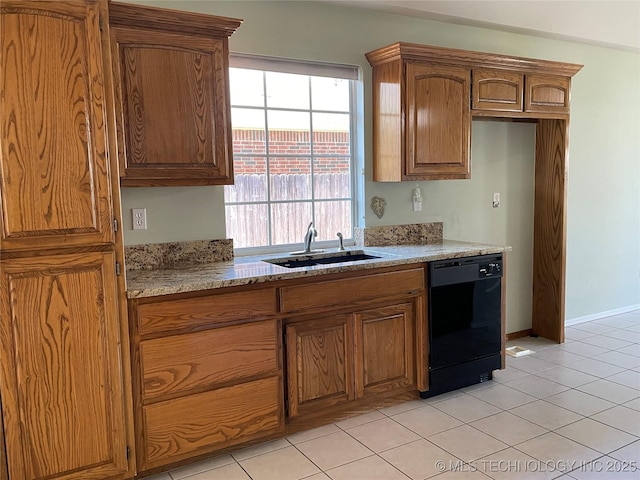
(308, 237)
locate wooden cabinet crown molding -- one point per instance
(442, 55)
(171, 21)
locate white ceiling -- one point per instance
(612, 23)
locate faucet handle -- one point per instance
(341, 245)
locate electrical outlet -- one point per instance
(139, 218)
(496, 200)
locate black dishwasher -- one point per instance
(465, 305)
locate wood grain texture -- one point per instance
(186, 426)
(550, 217)
(178, 364)
(438, 122)
(516, 116)
(384, 348)
(4, 473)
(60, 369)
(545, 93)
(172, 99)
(497, 90)
(171, 21)
(192, 313)
(388, 125)
(296, 298)
(121, 280)
(422, 341)
(232, 345)
(319, 363)
(519, 334)
(452, 56)
(54, 172)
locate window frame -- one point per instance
(311, 69)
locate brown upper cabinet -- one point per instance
(546, 93)
(505, 91)
(497, 90)
(54, 172)
(438, 121)
(421, 119)
(172, 96)
(424, 99)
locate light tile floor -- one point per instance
(569, 411)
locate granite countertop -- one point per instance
(252, 269)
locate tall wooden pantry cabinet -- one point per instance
(63, 369)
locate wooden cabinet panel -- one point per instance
(546, 93)
(186, 362)
(319, 363)
(60, 368)
(54, 173)
(388, 122)
(350, 290)
(172, 93)
(187, 426)
(194, 313)
(384, 348)
(4, 475)
(497, 90)
(438, 121)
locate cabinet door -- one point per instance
(497, 90)
(172, 91)
(319, 363)
(54, 174)
(547, 94)
(384, 349)
(60, 369)
(438, 122)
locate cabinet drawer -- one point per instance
(184, 362)
(547, 93)
(183, 427)
(349, 290)
(497, 90)
(211, 309)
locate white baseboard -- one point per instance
(596, 316)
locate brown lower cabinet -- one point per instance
(60, 368)
(339, 358)
(207, 373)
(228, 367)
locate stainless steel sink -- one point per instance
(321, 259)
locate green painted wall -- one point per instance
(603, 227)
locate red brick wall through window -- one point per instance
(251, 144)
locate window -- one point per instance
(292, 151)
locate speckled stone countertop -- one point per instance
(250, 270)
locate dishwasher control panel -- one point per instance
(490, 269)
(466, 269)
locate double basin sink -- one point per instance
(312, 259)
